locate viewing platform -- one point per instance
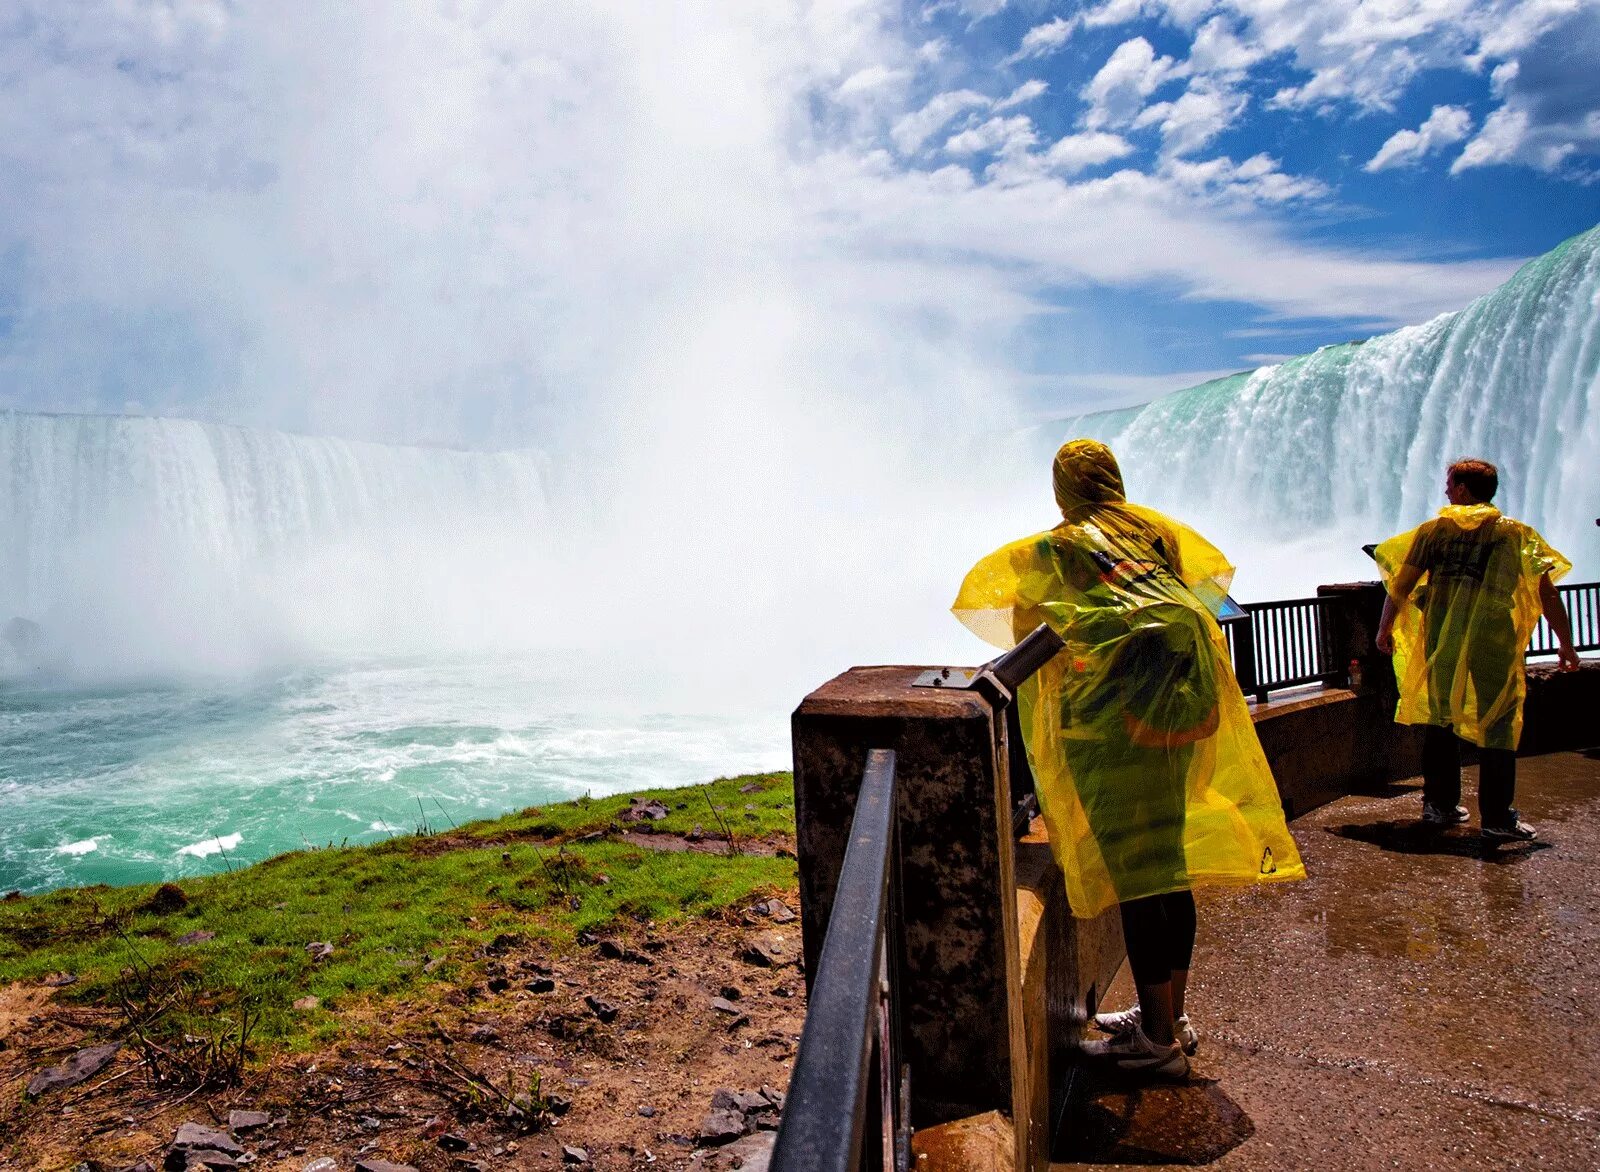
(1423, 1000)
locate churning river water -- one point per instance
(140, 782)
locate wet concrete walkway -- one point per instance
(1422, 1001)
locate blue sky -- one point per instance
(479, 222)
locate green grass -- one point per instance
(389, 908)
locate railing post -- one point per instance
(1244, 654)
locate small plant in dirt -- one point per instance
(184, 1036)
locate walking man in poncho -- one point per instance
(1465, 591)
(1149, 774)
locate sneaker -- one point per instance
(1441, 816)
(1125, 1021)
(1518, 831)
(1134, 1051)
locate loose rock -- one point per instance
(642, 811)
(307, 1003)
(247, 1120)
(453, 1141)
(83, 1065)
(319, 950)
(541, 985)
(199, 936)
(199, 1137)
(721, 1126)
(601, 1008)
(382, 1166)
(571, 1155)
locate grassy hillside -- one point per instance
(413, 918)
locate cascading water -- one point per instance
(197, 533)
(1349, 444)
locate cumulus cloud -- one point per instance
(1043, 39)
(914, 129)
(1551, 96)
(1259, 179)
(1444, 126)
(1130, 75)
(1079, 152)
(1198, 116)
(1024, 93)
(997, 135)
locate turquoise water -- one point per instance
(137, 782)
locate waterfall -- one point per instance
(1355, 437)
(112, 526)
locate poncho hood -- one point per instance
(1469, 517)
(1086, 473)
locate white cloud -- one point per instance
(1259, 179)
(1130, 75)
(1026, 92)
(1078, 152)
(998, 135)
(1208, 230)
(1217, 50)
(911, 131)
(1444, 126)
(1113, 12)
(1202, 112)
(1043, 39)
(1551, 91)
(873, 77)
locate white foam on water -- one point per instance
(212, 846)
(84, 847)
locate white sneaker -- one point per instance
(1134, 1051)
(1127, 1020)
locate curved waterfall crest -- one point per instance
(1359, 433)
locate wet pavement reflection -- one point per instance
(1423, 1000)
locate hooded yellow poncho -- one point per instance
(1149, 773)
(1460, 635)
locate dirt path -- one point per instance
(630, 1088)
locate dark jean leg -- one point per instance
(1441, 767)
(1497, 786)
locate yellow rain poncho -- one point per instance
(1460, 632)
(1149, 773)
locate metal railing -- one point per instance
(1278, 645)
(1583, 607)
(851, 1013)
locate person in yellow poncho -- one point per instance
(1150, 777)
(1465, 591)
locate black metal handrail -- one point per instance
(1285, 644)
(1583, 607)
(1280, 644)
(851, 1013)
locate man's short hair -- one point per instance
(1479, 477)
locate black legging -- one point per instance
(1159, 933)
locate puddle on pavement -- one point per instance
(1113, 1118)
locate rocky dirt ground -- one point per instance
(663, 1048)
